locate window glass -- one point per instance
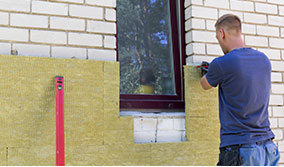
(145, 47)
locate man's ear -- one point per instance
(222, 32)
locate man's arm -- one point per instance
(204, 83)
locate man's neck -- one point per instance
(236, 44)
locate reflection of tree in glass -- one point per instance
(144, 41)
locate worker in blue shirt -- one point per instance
(243, 76)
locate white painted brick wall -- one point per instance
(242, 5)
(27, 20)
(32, 50)
(51, 37)
(255, 18)
(276, 77)
(201, 12)
(14, 34)
(278, 111)
(15, 5)
(110, 14)
(164, 127)
(50, 28)
(267, 31)
(5, 48)
(278, 88)
(69, 52)
(102, 54)
(266, 8)
(86, 11)
(110, 42)
(105, 3)
(256, 41)
(83, 39)
(272, 54)
(276, 100)
(64, 23)
(276, 20)
(49, 8)
(217, 4)
(4, 18)
(249, 29)
(101, 27)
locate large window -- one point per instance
(150, 51)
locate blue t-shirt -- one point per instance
(243, 76)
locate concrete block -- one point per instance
(277, 65)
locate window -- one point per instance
(151, 53)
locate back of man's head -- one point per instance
(230, 23)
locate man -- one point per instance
(243, 76)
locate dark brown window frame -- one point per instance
(172, 102)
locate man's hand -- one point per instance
(204, 83)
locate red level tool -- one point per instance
(60, 154)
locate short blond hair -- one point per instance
(229, 22)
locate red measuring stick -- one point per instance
(60, 154)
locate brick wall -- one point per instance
(83, 29)
(263, 29)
